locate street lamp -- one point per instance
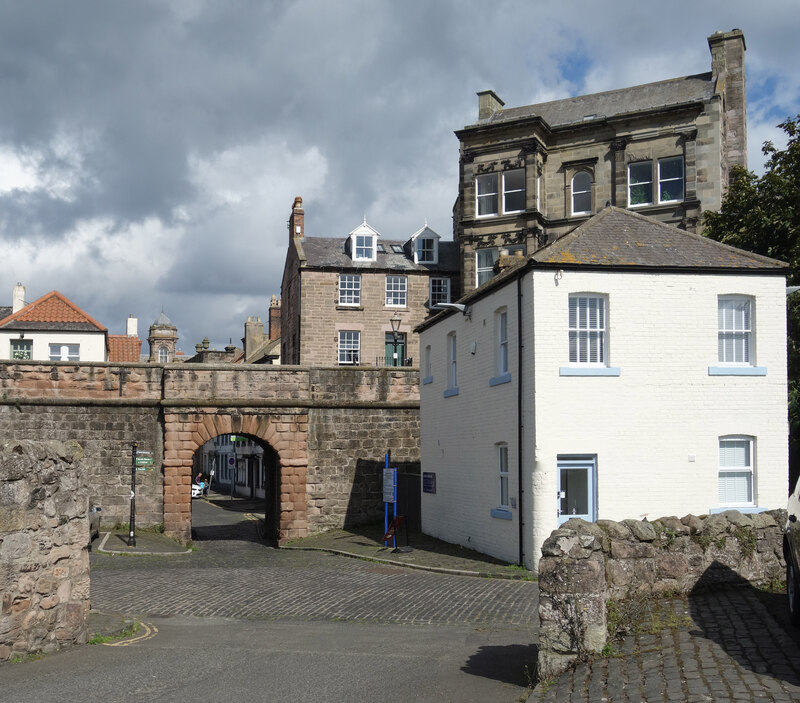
(395, 323)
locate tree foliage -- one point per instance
(762, 214)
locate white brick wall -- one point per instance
(642, 425)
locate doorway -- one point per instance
(577, 489)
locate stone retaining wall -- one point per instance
(584, 566)
(44, 533)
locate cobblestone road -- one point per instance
(242, 578)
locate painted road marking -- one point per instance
(150, 631)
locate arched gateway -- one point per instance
(328, 428)
(186, 432)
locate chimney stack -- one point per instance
(727, 70)
(296, 224)
(488, 104)
(132, 326)
(274, 318)
(18, 298)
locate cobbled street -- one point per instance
(242, 578)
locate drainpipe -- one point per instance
(519, 420)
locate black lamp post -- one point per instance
(395, 322)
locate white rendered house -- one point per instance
(52, 328)
(628, 370)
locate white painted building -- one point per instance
(628, 370)
(52, 328)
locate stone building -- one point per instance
(343, 299)
(163, 339)
(528, 175)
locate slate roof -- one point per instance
(122, 348)
(329, 252)
(621, 238)
(640, 98)
(5, 311)
(163, 321)
(52, 311)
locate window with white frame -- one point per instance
(735, 330)
(22, 349)
(581, 193)
(426, 250)
(501, 323)
(452, 362)
(485, 261)
(486, 194)
(502, 469)
(349, 347)
(65, 352)
(349, 289)
(365, 247)
(514, 190)
(736, 471)
(163, 355)
(396, 291)
(640, 183)
(427, 365)
(670, 179)
(440, 291)
(587, 329)
(669, 176)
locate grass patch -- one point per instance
(131, 629)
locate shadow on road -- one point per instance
(513, 664)
(750, 626)
(219, 519)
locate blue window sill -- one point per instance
(450, 392)
(589, 371)
(737, 370)
(745, 509)
(427, 380)
(499, 380)
(502, 514)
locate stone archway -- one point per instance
(185, 432)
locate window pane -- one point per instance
(581, 202)
(641, 173)
(640, 181)
(487, 194)
(514, 190)
(735, 487)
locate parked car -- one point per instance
(791, 552)
(94, 523)
(197, 490)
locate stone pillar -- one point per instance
(44, 533)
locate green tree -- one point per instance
(762, 214)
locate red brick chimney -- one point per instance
(296, 224)
(275, 312)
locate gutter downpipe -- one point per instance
(520, 490)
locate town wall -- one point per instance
(329, 426)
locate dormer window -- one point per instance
(425, 250)
(425, 243)
(363, 243)
(365, 247)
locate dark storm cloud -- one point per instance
(168, 140)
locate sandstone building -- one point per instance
(340, 297)
(528, 175)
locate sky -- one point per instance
(150, 151)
